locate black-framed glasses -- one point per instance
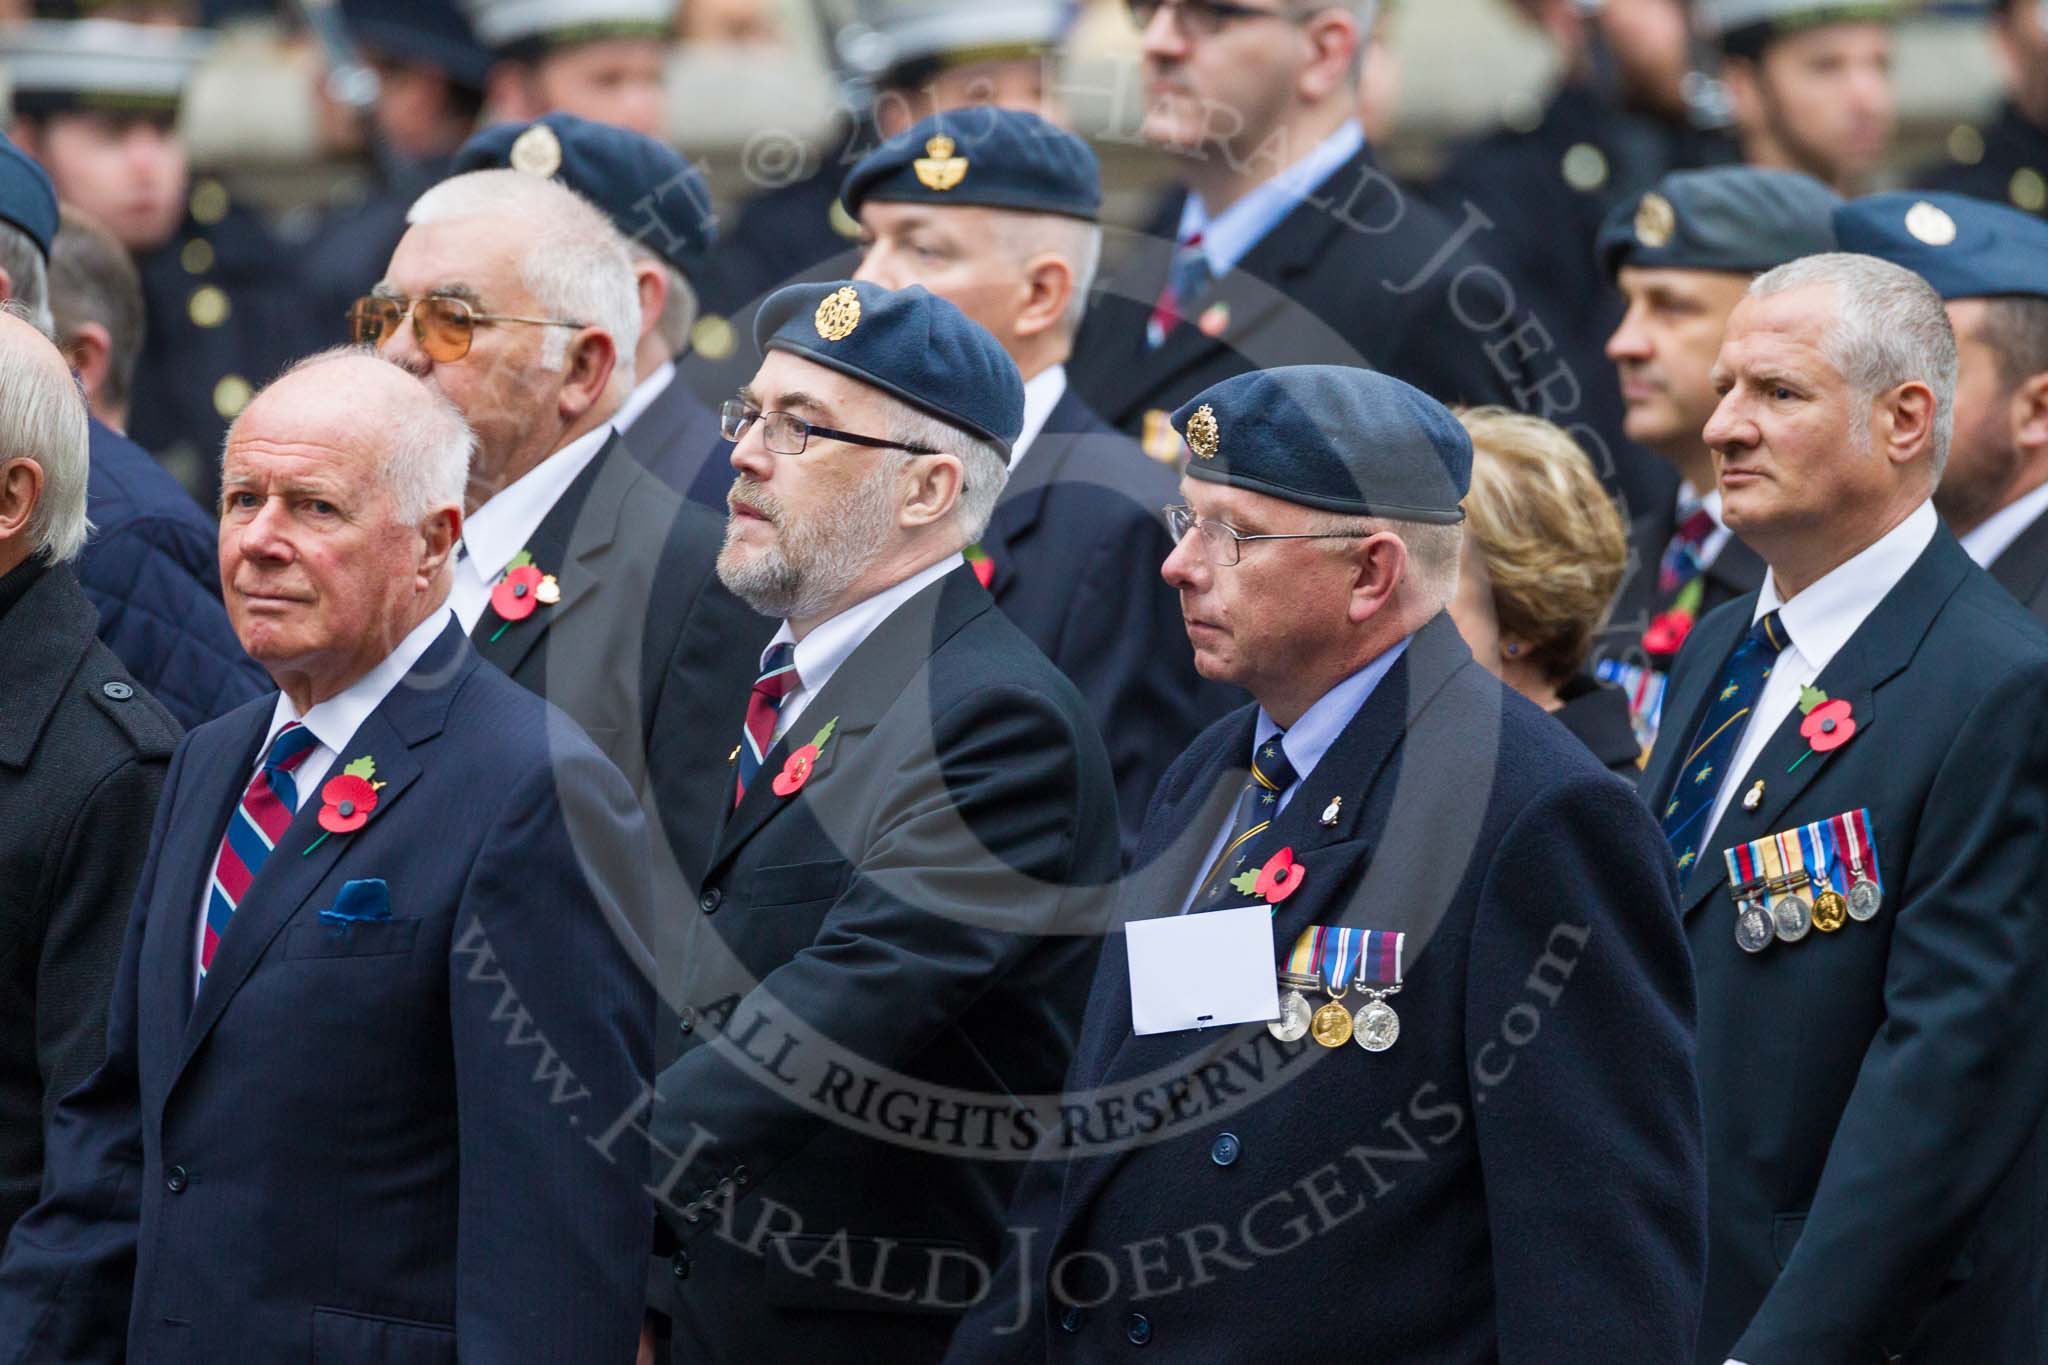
(786, 434)
(444, 326)
(1202, 18)
(1222, 543)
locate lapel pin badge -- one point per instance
(1754, 797)
(1328, 819)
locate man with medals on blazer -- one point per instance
(1853, 779)
(1989, 263)
(995, 210)
(900, 916)
(1391, 1053)
(376, 989)
(1287, 243)
(579, 573)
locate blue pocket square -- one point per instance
(358, 902)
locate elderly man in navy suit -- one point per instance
(1394, 1052)
(1850, 777)
(374, 996)
(1002, 222)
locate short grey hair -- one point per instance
(679, 312)
(985, 468)
(1434, 551)
(23, 261)
(93, 279)
(1074, 240)
(576, 264)
(427, 463)
(1890, 328)
(44, 420)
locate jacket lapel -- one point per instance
(2023, 568)
(413, 713)
(1883, 645)
(1023, 502)
(570, 543)
(1714, 638)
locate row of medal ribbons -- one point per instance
(1340, 963)
(1818, 876)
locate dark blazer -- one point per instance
(677, 439)
(901, 922)
(152, 567)
(1360, 273)
(1076, 544)
(1597, 715)
(646, 650)
(1737, 571)
(364, 1145)
(1521, 1173)
(1873, 1096)
(83, 752)
(2022, 569)
(2013, 144)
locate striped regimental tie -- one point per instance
(258, 822)
(778, 679)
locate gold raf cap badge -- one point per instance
(537, 151)
(1656, 220)
(1204, 437)
(838, 315)
(938, 169)
(1930, 224)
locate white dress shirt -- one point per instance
(1042, 393)
(333, 722)
(642, 398)
(2003, 527)
(819, 654)
(500, 528)
(1818, 622)
(1229, 237)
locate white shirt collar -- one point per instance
(1990, 540)
(1042, 393)
(820, 653)
(334, 721)
(642, 398)
(1230, 235)
(1309, 738)
(501, 527)
(1821, 619)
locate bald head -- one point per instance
(43, 447)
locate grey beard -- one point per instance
(816, 561)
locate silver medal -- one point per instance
(1753, 927)
(1864, 899)
(1375, 1027)
(1292, 1025)
(1792, 917)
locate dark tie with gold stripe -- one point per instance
(1712, 749)
(1257, 806)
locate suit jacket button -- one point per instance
(1139, 1330)
(679, 1265)
(686, 1018)
(1070, 1321)
(117, 690)
(710, 900)
(175, 1180)
(1225, 1149)
(739, 1174)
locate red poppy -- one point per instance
(796, 771)
(984, 570)
(1667, 632)
(517, 593)
(1279, 878)
(1828, 726)
(347, 801)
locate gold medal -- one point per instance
(1830, 910)
(1332, 1025)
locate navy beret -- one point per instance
(649, 191)
(1966, 248)
(909, 343)
(1336, 437)
(1739, 219)
(27, 199)
(432, 33)
(985, 157)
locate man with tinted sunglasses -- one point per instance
(578, 573)
(1287, 244)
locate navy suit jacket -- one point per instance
(1519, 1179)
(364, 1146)
(1076, 543)
(916, 923)
(151, 566)
(1874, 1095)
(677, 439)
(1360, 273)
(2023, 568)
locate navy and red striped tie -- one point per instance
(258, 822)
(778, 679)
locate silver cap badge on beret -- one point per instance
(1930, 225)
(537, 151)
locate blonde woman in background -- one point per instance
(1544, 553)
